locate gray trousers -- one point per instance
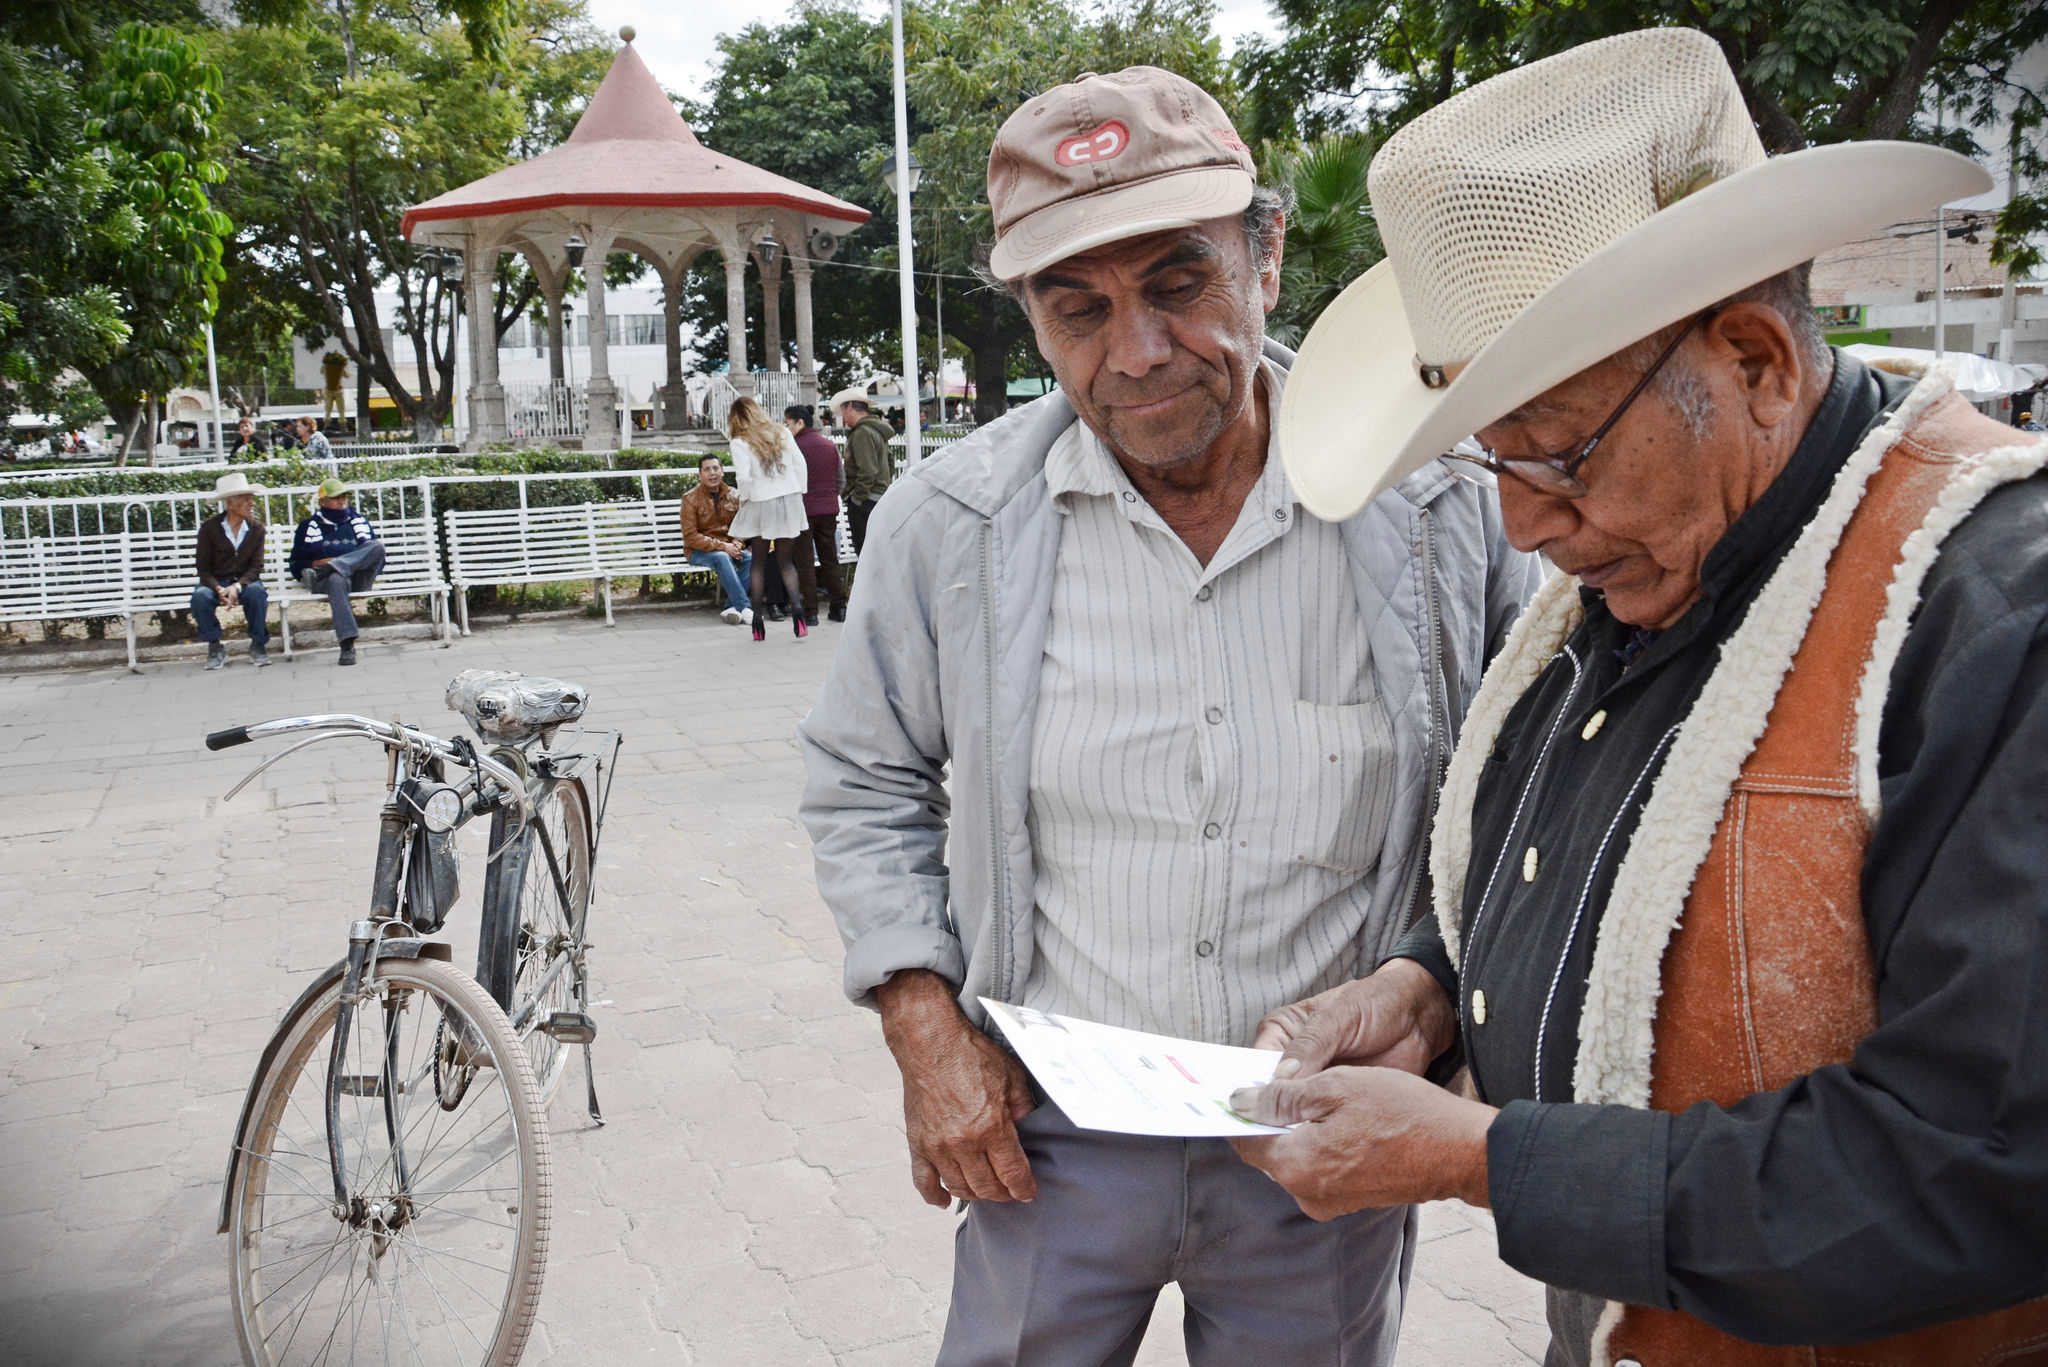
(1069, 1280)
(341, 576)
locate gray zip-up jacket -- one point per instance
(939, 666)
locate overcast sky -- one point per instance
(679, 46)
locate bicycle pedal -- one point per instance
(569, 1027)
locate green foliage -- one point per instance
(153, 110)
(1812, 71)
(59, 214)
(1331, 236)
(340, 120)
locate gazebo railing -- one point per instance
(547, 409)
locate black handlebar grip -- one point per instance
(234, 735)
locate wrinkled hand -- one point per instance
(1396, 1018)
(962, 1096)
(1367, 1137)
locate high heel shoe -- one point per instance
(760, 626)
(803, 628)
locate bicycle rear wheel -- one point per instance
(552, 919)
(437, 1257)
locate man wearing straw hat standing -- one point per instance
(1740, 877)
(230, 564)
(1115, 731)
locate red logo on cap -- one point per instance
(1100, 145)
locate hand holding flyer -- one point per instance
(1127, 1081)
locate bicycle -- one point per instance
(387, 1190)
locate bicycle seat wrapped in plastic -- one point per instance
(504, 707)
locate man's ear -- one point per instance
(1767, 358)
(1269, 283)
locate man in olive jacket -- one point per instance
(869, 465)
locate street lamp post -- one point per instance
(903, 185)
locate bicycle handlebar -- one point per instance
(324, 725)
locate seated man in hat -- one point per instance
(1128, 737)
(1740, 885)
(230, 562)
(337, 553)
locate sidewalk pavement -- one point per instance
(749, 1201)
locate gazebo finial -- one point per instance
(626, 34)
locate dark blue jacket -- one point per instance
(325, 535)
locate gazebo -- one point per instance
(633, 177)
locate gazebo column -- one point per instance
(601, 419)
(806, 362)
(552, 293)
(486, 395)
(771, 312)
(675, 399)
(736, 321)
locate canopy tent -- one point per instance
(633, 177)
(1977, 377)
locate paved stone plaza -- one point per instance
(749, 1201)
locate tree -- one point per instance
(154, 107)
(809, 99)
(59, 214)
(1812, 71)
(970, 64)
(342, 121)
(1331, 236)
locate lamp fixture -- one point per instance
(770, 250)
(889, 172)
(573, 249)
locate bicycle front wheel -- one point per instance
(436, 1255)
(552, 916)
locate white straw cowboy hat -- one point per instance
(1547, 218)
(227, 486)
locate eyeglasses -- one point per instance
(1559, 475)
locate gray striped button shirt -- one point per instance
(1211, 767)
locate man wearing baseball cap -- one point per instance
(336, 553)
(870, 466)
(1127, 735)
(1740, 880)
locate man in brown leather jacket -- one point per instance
(706, 514)
(1740, 886)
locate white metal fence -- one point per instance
(545, 409)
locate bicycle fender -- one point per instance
(387, 949)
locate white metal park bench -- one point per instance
(412, 556)
(596, 541)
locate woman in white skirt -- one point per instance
(772, 477)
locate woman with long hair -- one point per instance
(772, 478)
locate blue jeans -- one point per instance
(341, 576)
(731, 571)
(255, 607)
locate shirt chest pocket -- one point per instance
(1338, 779)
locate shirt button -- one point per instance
(1205, 593)
(1212, 830)
(1478, 1007)
(1204, 949)
(1279, 514)
(1130, 497)
(1593, 724)
(1529, 865)
(1214, 715)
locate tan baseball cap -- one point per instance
(1104, 158)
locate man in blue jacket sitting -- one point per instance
(336, 553)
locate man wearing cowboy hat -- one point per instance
(1740, 879)
(230, 563)
(336, 552)
(1125, 736)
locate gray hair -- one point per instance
(1265, 225)
(1787, 294)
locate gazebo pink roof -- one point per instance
(630, 149)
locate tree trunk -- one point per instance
(991, 382)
